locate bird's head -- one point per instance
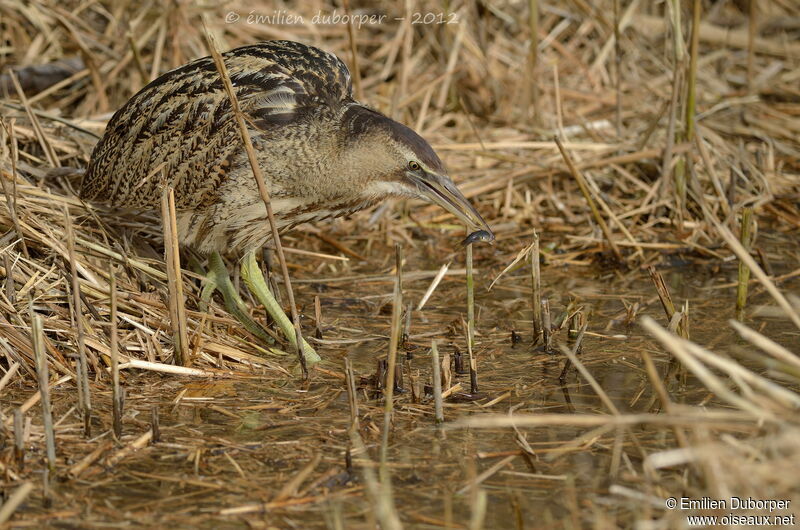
(399, 162)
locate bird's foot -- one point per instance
(254, 278)
(219, 279)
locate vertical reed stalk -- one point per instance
(84, 394)
(351, 35)
(470, 300)
(262, 190)
(473, 365)
(617, 71)
(546, 325)
(536, 288)
(11, 195)
(691, 95)
(352, 396)
(317, 318)
(174, 283)
(37, 334)
(116, 397)
(533, 60)
(745, 238)
(388, 391)
(438, 406)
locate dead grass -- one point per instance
(234, 434)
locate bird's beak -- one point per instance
(443, 191)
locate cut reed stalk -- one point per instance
(317, 318)
(745, 238)
(617, 72)
(82, 375)
(685, 169)
(666, 299)
(533, 60)
(177, 310)
(470, 300)
(388, 391)
(438, 406)
(536, 288)
(473, 365)
(547, 334)
(11, 195)
(576, 349)
(116, 396)
(42, 373)
(352, 396)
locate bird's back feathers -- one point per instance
(181, 125)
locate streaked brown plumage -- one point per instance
(322, 153)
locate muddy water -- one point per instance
(233, 444)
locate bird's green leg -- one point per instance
(253, 277)
(218, 278)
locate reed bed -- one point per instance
(639, 164)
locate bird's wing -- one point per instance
(181, 126)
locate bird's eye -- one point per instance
(414, 166)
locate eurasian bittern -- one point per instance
(322, 154)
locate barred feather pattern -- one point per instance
(322, 153)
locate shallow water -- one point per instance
(227, 444)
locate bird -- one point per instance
(322, 153)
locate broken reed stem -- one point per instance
(470, 300)
(352, 396)
(536, 288)
(116, 397)
(432, 287)
(177, 311)
(438, 406)
(575, 324)
(262, 190)
(37, 336)
(587, 194)
(84, 394)
(394, 337)
(745, 237)
(666, 299)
